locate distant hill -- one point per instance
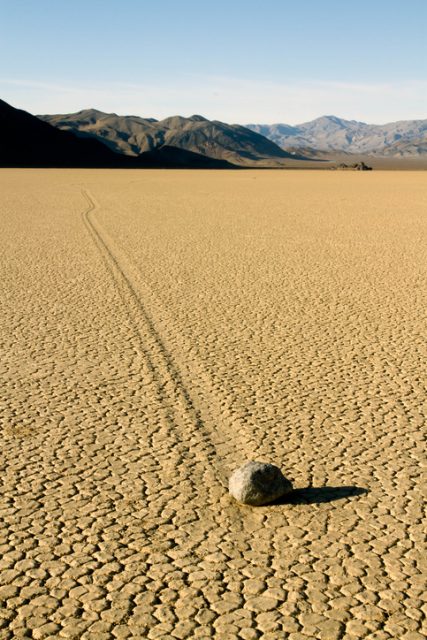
(407, 148)
(27, 141)
(132, 135)
(329, 133)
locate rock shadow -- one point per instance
(318, 495)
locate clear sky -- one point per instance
(259, 61)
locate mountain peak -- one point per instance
(173, 122)
(340, 121)
(329, 122)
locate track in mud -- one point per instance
(224, 450)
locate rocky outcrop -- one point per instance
(357, 166)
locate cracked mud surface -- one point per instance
(159, 329)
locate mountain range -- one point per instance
(406, 138)
(250, 145)
(27, 141)
(92, 138)
(132, 135)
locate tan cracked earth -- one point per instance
(160, 328)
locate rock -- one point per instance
(358, 166)
(361, 166)
(258, 483)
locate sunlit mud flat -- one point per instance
(159, 329)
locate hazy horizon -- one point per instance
(193, 113)
(250, 62)
(24, 96)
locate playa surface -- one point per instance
(160, 328)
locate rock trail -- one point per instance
(204, 404)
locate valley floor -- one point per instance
(161, 328)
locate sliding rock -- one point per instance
(258, 483)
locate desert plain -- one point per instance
(160, 328)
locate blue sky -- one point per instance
(238, 61)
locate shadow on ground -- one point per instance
(317, 495)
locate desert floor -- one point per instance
(159, 328)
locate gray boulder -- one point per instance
(258, 483)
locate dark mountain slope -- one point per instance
(27, 141)
(168, 157)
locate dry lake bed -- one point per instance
(160, 328)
